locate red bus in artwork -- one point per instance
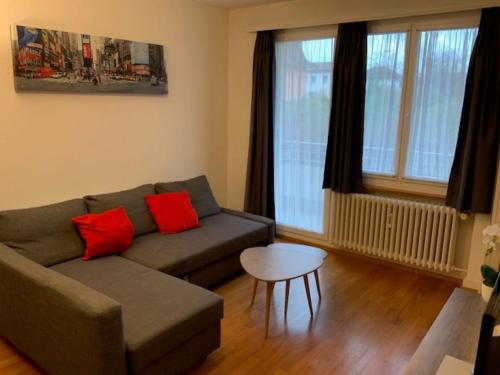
(39, 72)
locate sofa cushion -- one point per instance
(173, 212)
(110, 232)
(133, 202)
(44, 234)
(199, 191)
(159, 312)
(179, 254)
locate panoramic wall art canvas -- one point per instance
(49, 60)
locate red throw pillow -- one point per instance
(109, 232)
(173, 212)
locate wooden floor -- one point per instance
(370, 321)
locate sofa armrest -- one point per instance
(63, 325)
(260, 219)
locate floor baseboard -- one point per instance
(456, 278)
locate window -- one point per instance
(302, 112)
(414, 94)
(416, 71)
(438, 93)
(384, 87)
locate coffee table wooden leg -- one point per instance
(255, 284)
(306, 284)
(316, 276)
(269, 295)
(287, 293)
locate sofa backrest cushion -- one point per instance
(133, 202)
(199, 191)
(44, 234)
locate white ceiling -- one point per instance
(234, 4)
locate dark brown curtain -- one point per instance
(344, 151)
(259, 197)
(472, 179)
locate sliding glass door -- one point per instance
(304, 66)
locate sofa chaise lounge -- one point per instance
(145, 311)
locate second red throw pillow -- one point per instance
(109, 232)
(173, 212)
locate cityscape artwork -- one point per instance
(48, 60)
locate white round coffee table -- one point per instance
(282, 262)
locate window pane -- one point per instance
(384, 86)
(443, 59)
(302, 111)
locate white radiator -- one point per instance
(409, 232)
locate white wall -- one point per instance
(303, 13)
(59, 146)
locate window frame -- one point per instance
(377, 28)
(412, 26)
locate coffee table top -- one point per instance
(281, 261)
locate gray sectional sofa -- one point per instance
(145, 311)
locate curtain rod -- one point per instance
(449, 9)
